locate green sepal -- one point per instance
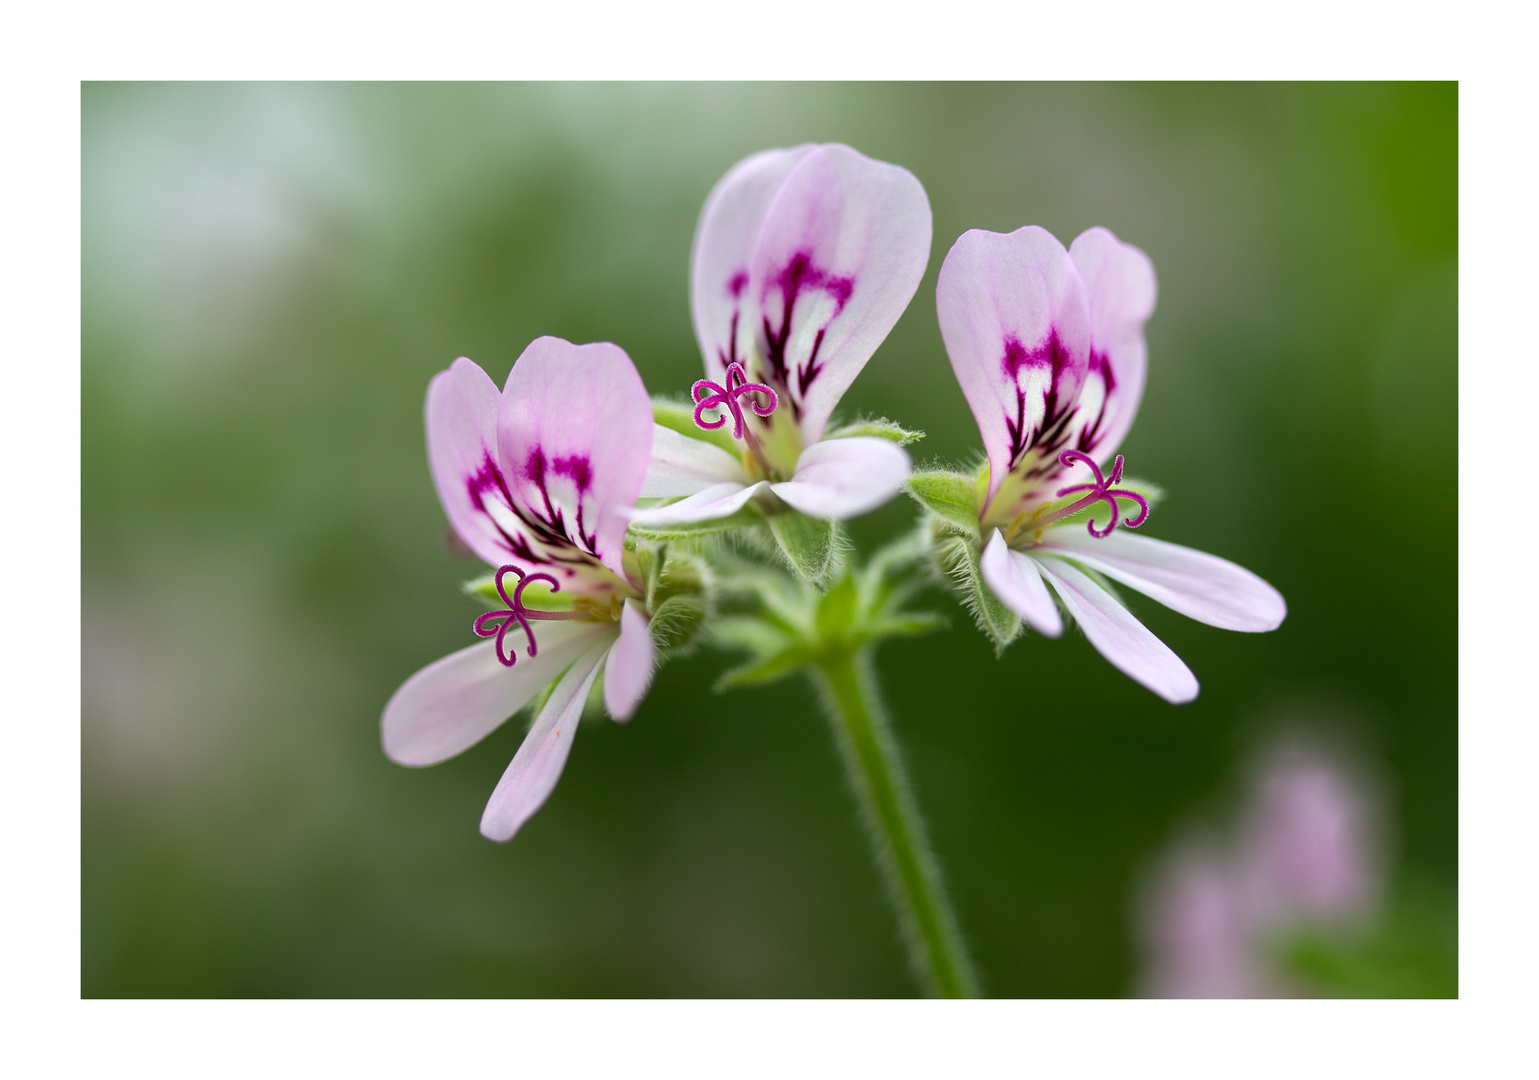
(773, 653)
(960, 558)
(788, 661)
(911, 624)
(676, 622)
(810, 545)
(950, 496)
(537, 597)
(679, 416)
(836, 611)
(792, 625)
(881, 428)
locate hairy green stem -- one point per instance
(875, 770)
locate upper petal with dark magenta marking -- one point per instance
(576, 424)
(1120, 291)
(724, 245)
(841, 250)
(462, 405)
(1015, 320)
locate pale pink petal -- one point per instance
(1014, 578)
(1199, 586)
(462, 405)
(575, 433)
(1119, 637)
(532, 775)
(843, 478)
(841, 251)
(683, 466)
(1014, 318)
(1120, 289)
(632, 660)
(718, 501)
(454, 703)
(725, 318)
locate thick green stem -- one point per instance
(902, 850)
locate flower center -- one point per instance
(497, 623)
(1104, 489)
(725, 400)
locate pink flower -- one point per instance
(537, 481)
(1048, 346)
(803, 261)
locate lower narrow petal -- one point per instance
(717, 501)
(628, 672)
(843, 478)
(532, 775)
(1119, 637)
(1014, 578)
(457, 701)
(1198, 585)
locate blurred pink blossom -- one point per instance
(1304, 855)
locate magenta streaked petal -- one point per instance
(632, 660)
(1198, 585)
(1120, 290)
(718, 501)
(1014, 578)
(532, 775)
(683, 466)
(841, 251)
(461, 418)
(724, 316)
(575, 435)
(1014, 317)
(457, 701)
(844, 478)
(1119, 637)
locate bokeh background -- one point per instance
(272, 274)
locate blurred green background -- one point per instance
(272, 274)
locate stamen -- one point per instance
(1102, 489)
(724, 399)
(496, 623)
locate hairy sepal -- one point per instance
(772, 653)
(881, 428)
(959, 558)
(811, 547)
(793, 625)
(950, 496)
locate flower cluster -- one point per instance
(598, 508)
(1305, 855)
